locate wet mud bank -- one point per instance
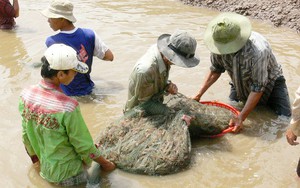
(283, 13)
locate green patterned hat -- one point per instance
(227, 33)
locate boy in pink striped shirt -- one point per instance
(54, 132)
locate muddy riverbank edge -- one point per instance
(285, 13)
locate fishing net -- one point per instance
(147, 145)
(153, 139)
(211, 118)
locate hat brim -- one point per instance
(233, 46)
(81, 67)
(176, 59)
(49, 14)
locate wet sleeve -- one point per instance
(100, 47)
(295, 121)
(141, 89)
(145, 86)
(80, 136)
(25, 139)
(216, 64)
(259, 71)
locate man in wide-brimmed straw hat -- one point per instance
(151, 72)
(256, 77)
(84, 41)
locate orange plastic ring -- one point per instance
(222, 105)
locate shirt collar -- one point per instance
(70, 32)
(49, 86)
(160, 62)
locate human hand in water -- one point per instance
(187, 119)
(106, 165)
(172, 89)
(291, 137)
(197, 97)
(236, 123)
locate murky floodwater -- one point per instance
(257, 157)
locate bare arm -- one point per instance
(211, 78)
(291, 137)
(172, 89)
(105, 164)
(251, 103)
(16, 7)
(293, 130)
(108, 56)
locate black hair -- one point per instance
(46, 71)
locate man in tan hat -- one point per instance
(150, 74)
(54, 132)
(246, 55)
(84, 41)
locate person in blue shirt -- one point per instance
(85, 41)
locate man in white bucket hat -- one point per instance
(256, 77)
(54, 132)
(85, 41)
(151, 72)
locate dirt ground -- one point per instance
(284, 13)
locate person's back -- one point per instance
(54, 131)
(50, 117)
(7, 13)
(82, 83)
(150, 74)
(85, 41)
(148, 69)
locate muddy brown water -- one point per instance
(257, 157)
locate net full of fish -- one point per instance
(209, 120)
(153, 139)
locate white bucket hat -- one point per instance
(179, 48)
(60, 9)
(63, 57)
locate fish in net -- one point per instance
(146, 145)
(153, 139)
(208, 120)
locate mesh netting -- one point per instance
(209, 119)
(153, 139)
(147, 145)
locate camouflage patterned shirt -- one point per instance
(149, 77)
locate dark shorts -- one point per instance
(278, 101)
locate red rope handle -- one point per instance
(222, 105)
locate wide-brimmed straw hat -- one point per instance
(179, 48)
(63, 57)
(227, 33)
(60, 9)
